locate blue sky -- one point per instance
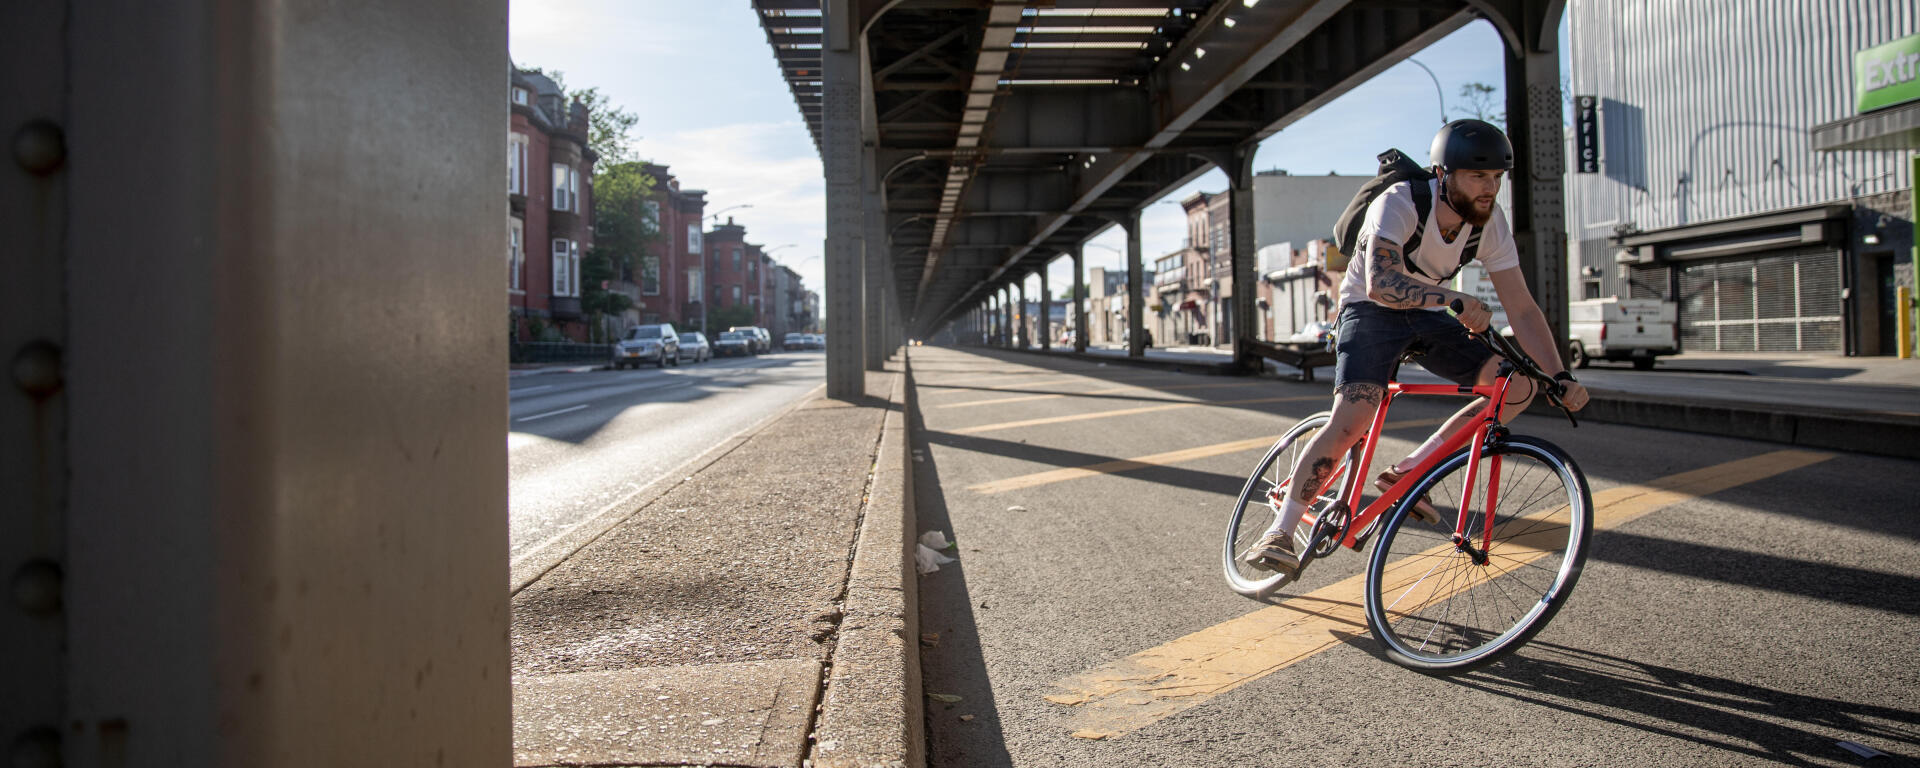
(713, 108)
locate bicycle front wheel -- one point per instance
(1256, 508)
(1442, 607)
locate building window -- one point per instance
(520, 96)
(516, 163)
(693, 237)
(573, 268)
(566, 188)
(516, 254)
(561, 260)
(693, 284)
(653, 213)
(736, 294)
(736, 259)
(650, 275)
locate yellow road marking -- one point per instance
(1155, 460)
(1107, 391)
(1131, 693)
(1125, 412)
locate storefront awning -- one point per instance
(1893, 128)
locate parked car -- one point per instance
(733, 343)
(762, 340)
(816, 341)
(655, 343)
(1622, 329)
(794, 341)
(695, 343)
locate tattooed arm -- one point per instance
(1389, 285)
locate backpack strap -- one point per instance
(1423, 206)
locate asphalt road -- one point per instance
(1757, 619)
(578, 442)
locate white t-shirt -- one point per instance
(1392, 216)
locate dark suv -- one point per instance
(762, 340)
(654, 343)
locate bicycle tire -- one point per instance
(1252, 514)
(1451, 613)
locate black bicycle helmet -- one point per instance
(1472, 145)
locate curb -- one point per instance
(1884, 434)
(1175, 366)
(871, 711)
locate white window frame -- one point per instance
(573, 271)
(516, 163)
(566, 188)
(693, 284)
(693, 237)
(561, 250)
(653, 213)
(516, 254)
(520, 96)
(736, 294)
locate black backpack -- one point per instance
(1396, 167)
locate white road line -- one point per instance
(553, 413)
(512, 392)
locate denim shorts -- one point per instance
(1373, 337)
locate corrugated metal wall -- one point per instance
(1707, 106)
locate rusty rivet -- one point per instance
(36, 748)
(40, 147)
(36, 369)
(37, 587)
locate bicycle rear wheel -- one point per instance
(1254, 511)
(1438, 607)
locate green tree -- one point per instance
(624, 232)
(722, 318)
(1481, 104)
(607, 123)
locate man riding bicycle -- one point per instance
(1391, 303)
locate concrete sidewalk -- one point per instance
(1866, 404)
(759, 613)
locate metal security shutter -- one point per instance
(1650, 281)
(1782, 303)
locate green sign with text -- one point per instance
(1885, 75)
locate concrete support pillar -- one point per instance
(271, 528)
(879, 340)
(1136, 335)
(1045, 321)
(842, 159)
(1022, 314)
(1079, 298)
(1246, 283)
(1539, 173)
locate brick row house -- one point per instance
(737, 272)
(670, 288)
(549, 209)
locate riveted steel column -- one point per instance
(1046, 312)
(287, 529)
(1009, 340)
(33, 406)
(1245, 282)
(1136, 337)
(842, 159)
(1079, 298)
(879, 341)
(1534, 115)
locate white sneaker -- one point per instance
(1274, 552)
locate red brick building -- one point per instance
(549, 209)
(670, 289)
(736, 271)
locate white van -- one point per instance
(1622, 329)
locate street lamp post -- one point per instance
(716, 214)
(1437, 92)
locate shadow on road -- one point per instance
(955, 665)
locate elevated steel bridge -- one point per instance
(968, 143)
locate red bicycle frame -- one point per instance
(1477, 431)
